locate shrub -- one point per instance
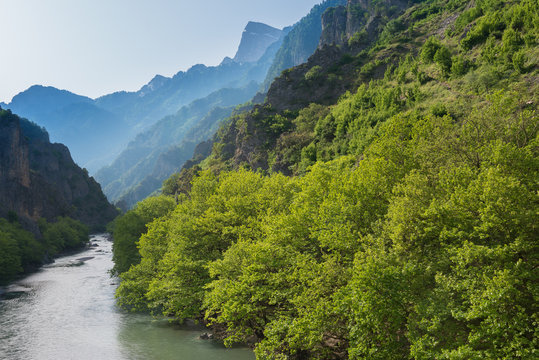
(313, 73)
(443, 58)
(429, 49)
(459, 66)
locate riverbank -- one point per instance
(65, 312)
(48, 260)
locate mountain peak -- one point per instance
(255, 40)
(157, 82)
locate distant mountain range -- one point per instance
(97, 130)
(140, 159)
(144, 165)
(132, 141)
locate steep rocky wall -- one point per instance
(255, 40)
(14, 167)
(341, 23)
(39, 179)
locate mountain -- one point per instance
(75, 121)
(135, 174)
(160, 150)
(38, 100)
(380, 203)
(301, 41)
(164, 96)
(39, 179)
(253, 139)
(256, 38)
(112, 120)
(140, 159)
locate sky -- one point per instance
(95, 47)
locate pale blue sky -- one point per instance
(94, 47)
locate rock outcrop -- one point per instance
(255, 40)
(40, 180)
(327, 75)
(341, 23)
(346, 31)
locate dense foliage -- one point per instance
(128, 227)
(21, 251)
(410, 231)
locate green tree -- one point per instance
(10, 260)
(128, 228)
(429, 49)
(443, 58)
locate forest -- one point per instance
(399, 222)
(22, 251)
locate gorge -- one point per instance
(360, 185)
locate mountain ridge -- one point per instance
(113, 119)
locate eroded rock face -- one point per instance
(39, 179)
(13, 154)
(334, 23)
(14, 166)
(341, 23)
(255, 40)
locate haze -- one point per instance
(95, 47)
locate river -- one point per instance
(67, 311)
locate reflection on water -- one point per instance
(142, 338)
(67, 311)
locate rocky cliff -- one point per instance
(331, 70)
(359, 18)
(340, 64)
(300, 41)
(256, 38)
(40, 180)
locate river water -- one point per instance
(67, 311)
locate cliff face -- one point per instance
(300, 41)
(334, 26)
(346, 31)
(39, 179)
(14, 166)
(255, 40)
(341, 23)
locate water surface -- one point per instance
(67, 311)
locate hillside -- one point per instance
(301, 41)
(135, 174)
(382, 203)
(47, 203)
(159, 151)
(381, 66)
(73, 120)
(40, 180)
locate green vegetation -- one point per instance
(63, 234)
(409, 228)
(128, 228)
(428, 237)
(300, 42)
(21, 251)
